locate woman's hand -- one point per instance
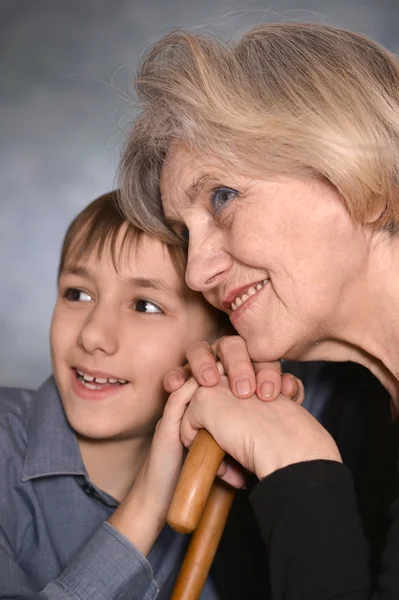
(245, 378)
(142, 514)
(261, 436)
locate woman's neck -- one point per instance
(113, 465)
(367, 331)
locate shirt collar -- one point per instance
(52, 447)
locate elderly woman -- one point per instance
(277, 158)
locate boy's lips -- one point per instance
(95, 388)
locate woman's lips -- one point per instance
(252, 290)
(238, 314)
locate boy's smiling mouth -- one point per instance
(96, 380)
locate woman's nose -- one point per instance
(100, 332)
(207, 262)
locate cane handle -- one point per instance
(195, 482)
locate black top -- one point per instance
(332, 532)
(310, 522)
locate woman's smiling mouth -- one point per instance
(250, 291)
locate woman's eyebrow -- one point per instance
(198, 185)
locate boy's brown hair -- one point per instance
(98, 225)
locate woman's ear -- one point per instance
(376, 208)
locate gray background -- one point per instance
(64, 67)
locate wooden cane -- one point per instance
(204, 543)
(188, 512)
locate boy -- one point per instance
(84, 495)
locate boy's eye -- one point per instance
(146, 306)
(221, 196)
(76, 295)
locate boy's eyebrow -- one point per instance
(155, 284)
(77, 270)
(143, 282)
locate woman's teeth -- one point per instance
(239, 300)
(90, 382)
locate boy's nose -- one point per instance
(99, 333)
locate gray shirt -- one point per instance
(55, 543)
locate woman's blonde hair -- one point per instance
(294, 99)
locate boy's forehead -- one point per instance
(143, 262)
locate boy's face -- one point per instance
(114, 335)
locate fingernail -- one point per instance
(294, 389)
(209, 375)
(243, 387)
(173, 380)
(267, 389)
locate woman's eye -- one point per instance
(146, 306)
(221, 196)
(76, 295)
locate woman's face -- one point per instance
(281, 256)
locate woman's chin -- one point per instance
(260, 350)
(269, 349)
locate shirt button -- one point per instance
(88, 489)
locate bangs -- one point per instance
(98, 228)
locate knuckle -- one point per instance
(201, 396)
(268, 373)
(230, 341)
(199, 348)
(172, 400)
(241, 364)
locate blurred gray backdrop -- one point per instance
(62, 124)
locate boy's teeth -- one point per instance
(100, 380)
(91, 386)
(239, 300)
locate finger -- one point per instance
(175, 378)
(268, 380)
(232, 473)
(220, 368)
(178, 401)
(202, 363)
(292, 387)
(232, 352)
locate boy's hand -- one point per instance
(142, 514)
(245, 377)
(160, 471)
